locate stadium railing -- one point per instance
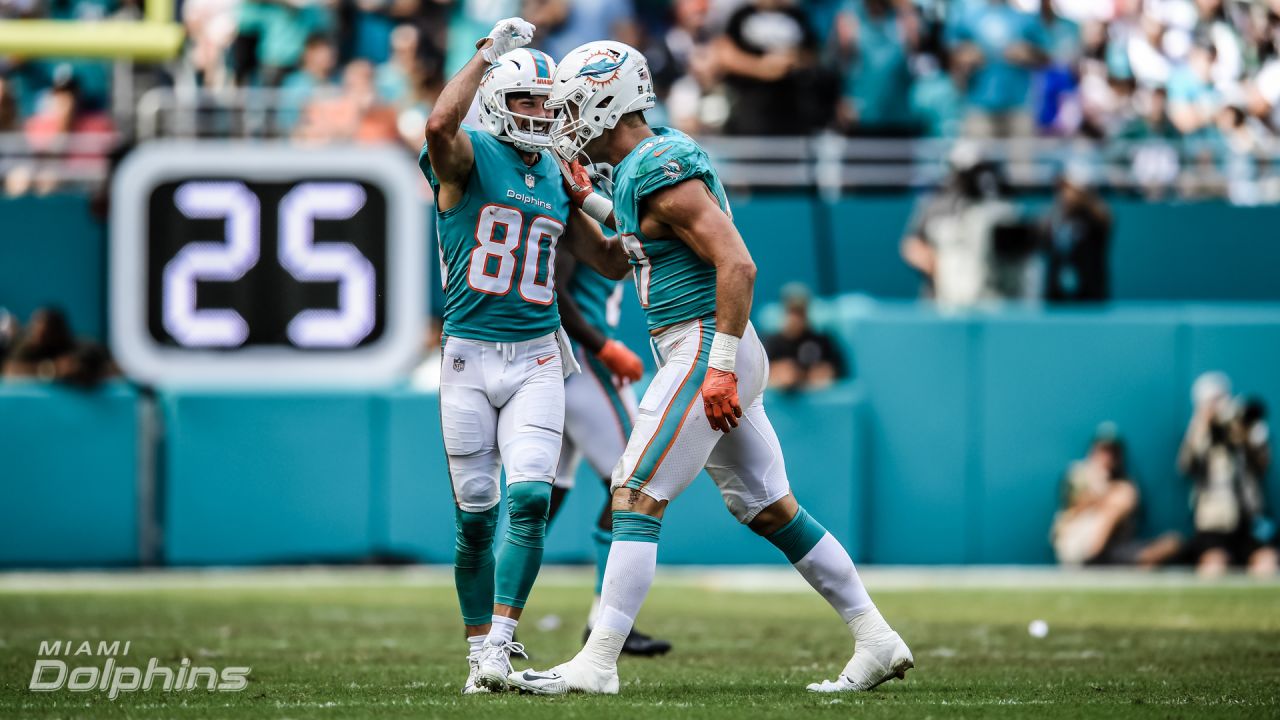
(828, 162)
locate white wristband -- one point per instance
(597, 207)
(724, 352)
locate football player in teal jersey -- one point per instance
(599, 408)
(704, 408)
(501, 211)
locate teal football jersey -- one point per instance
(597, 298)
(673, 283)
(497, 246)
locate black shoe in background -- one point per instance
(639, 644)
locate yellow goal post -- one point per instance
(155, 38)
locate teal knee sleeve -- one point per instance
(473, 564)
(528, 504)
(521, 553)
(635, 527)
(601, 539)
(797, 538)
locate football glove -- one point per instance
(620, 360)
(720, 399)
(507, 35)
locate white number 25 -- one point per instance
(229, 260)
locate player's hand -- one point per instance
(577, 181)
(507, 35)
(620, 360)
(720, 399)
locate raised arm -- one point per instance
(448, 148)
(693, 215)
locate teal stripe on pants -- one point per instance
(602, 374)
(685, 396)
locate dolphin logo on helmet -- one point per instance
(594, 86)
(602, 67)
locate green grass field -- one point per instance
(386, 644)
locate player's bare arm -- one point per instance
(689, 211)
(603, 254)
(451, 154)
(450, 151)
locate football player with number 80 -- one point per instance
(502, 210)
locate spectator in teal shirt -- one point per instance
(998, 47)
(1193, 101)
(395, 77)
(282, 30)
(937, 100)
(878, 87)
(316, 73)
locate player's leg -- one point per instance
(530, 424)
(748, 468)
(469, 426)
(668, 446)
(598, 419)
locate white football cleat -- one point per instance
(879, 655)
(573, 676)
(473, 664)
(493, 665)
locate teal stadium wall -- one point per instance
(947, 449)
(69, 470)
(53, 251)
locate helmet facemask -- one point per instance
(572, 131)
(527, 133)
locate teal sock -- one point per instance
(797, 538)
(635, 527)
(473, 564)
(601, 539)
(521, 553)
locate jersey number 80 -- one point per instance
(492, 267)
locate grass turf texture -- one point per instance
(374, 646)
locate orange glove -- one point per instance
(578, 182)
(621, 361)
(720, 399)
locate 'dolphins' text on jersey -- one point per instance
(497, 245)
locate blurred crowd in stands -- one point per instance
(1201, 77)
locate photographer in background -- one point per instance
(1076, 237)
(1226, 452)
(967, 241)
(1096, 523)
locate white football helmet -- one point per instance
(596, 84)
(523, 70)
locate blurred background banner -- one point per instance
(1016, 273)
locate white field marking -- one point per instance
(738, 578)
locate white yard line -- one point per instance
(723, 578)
